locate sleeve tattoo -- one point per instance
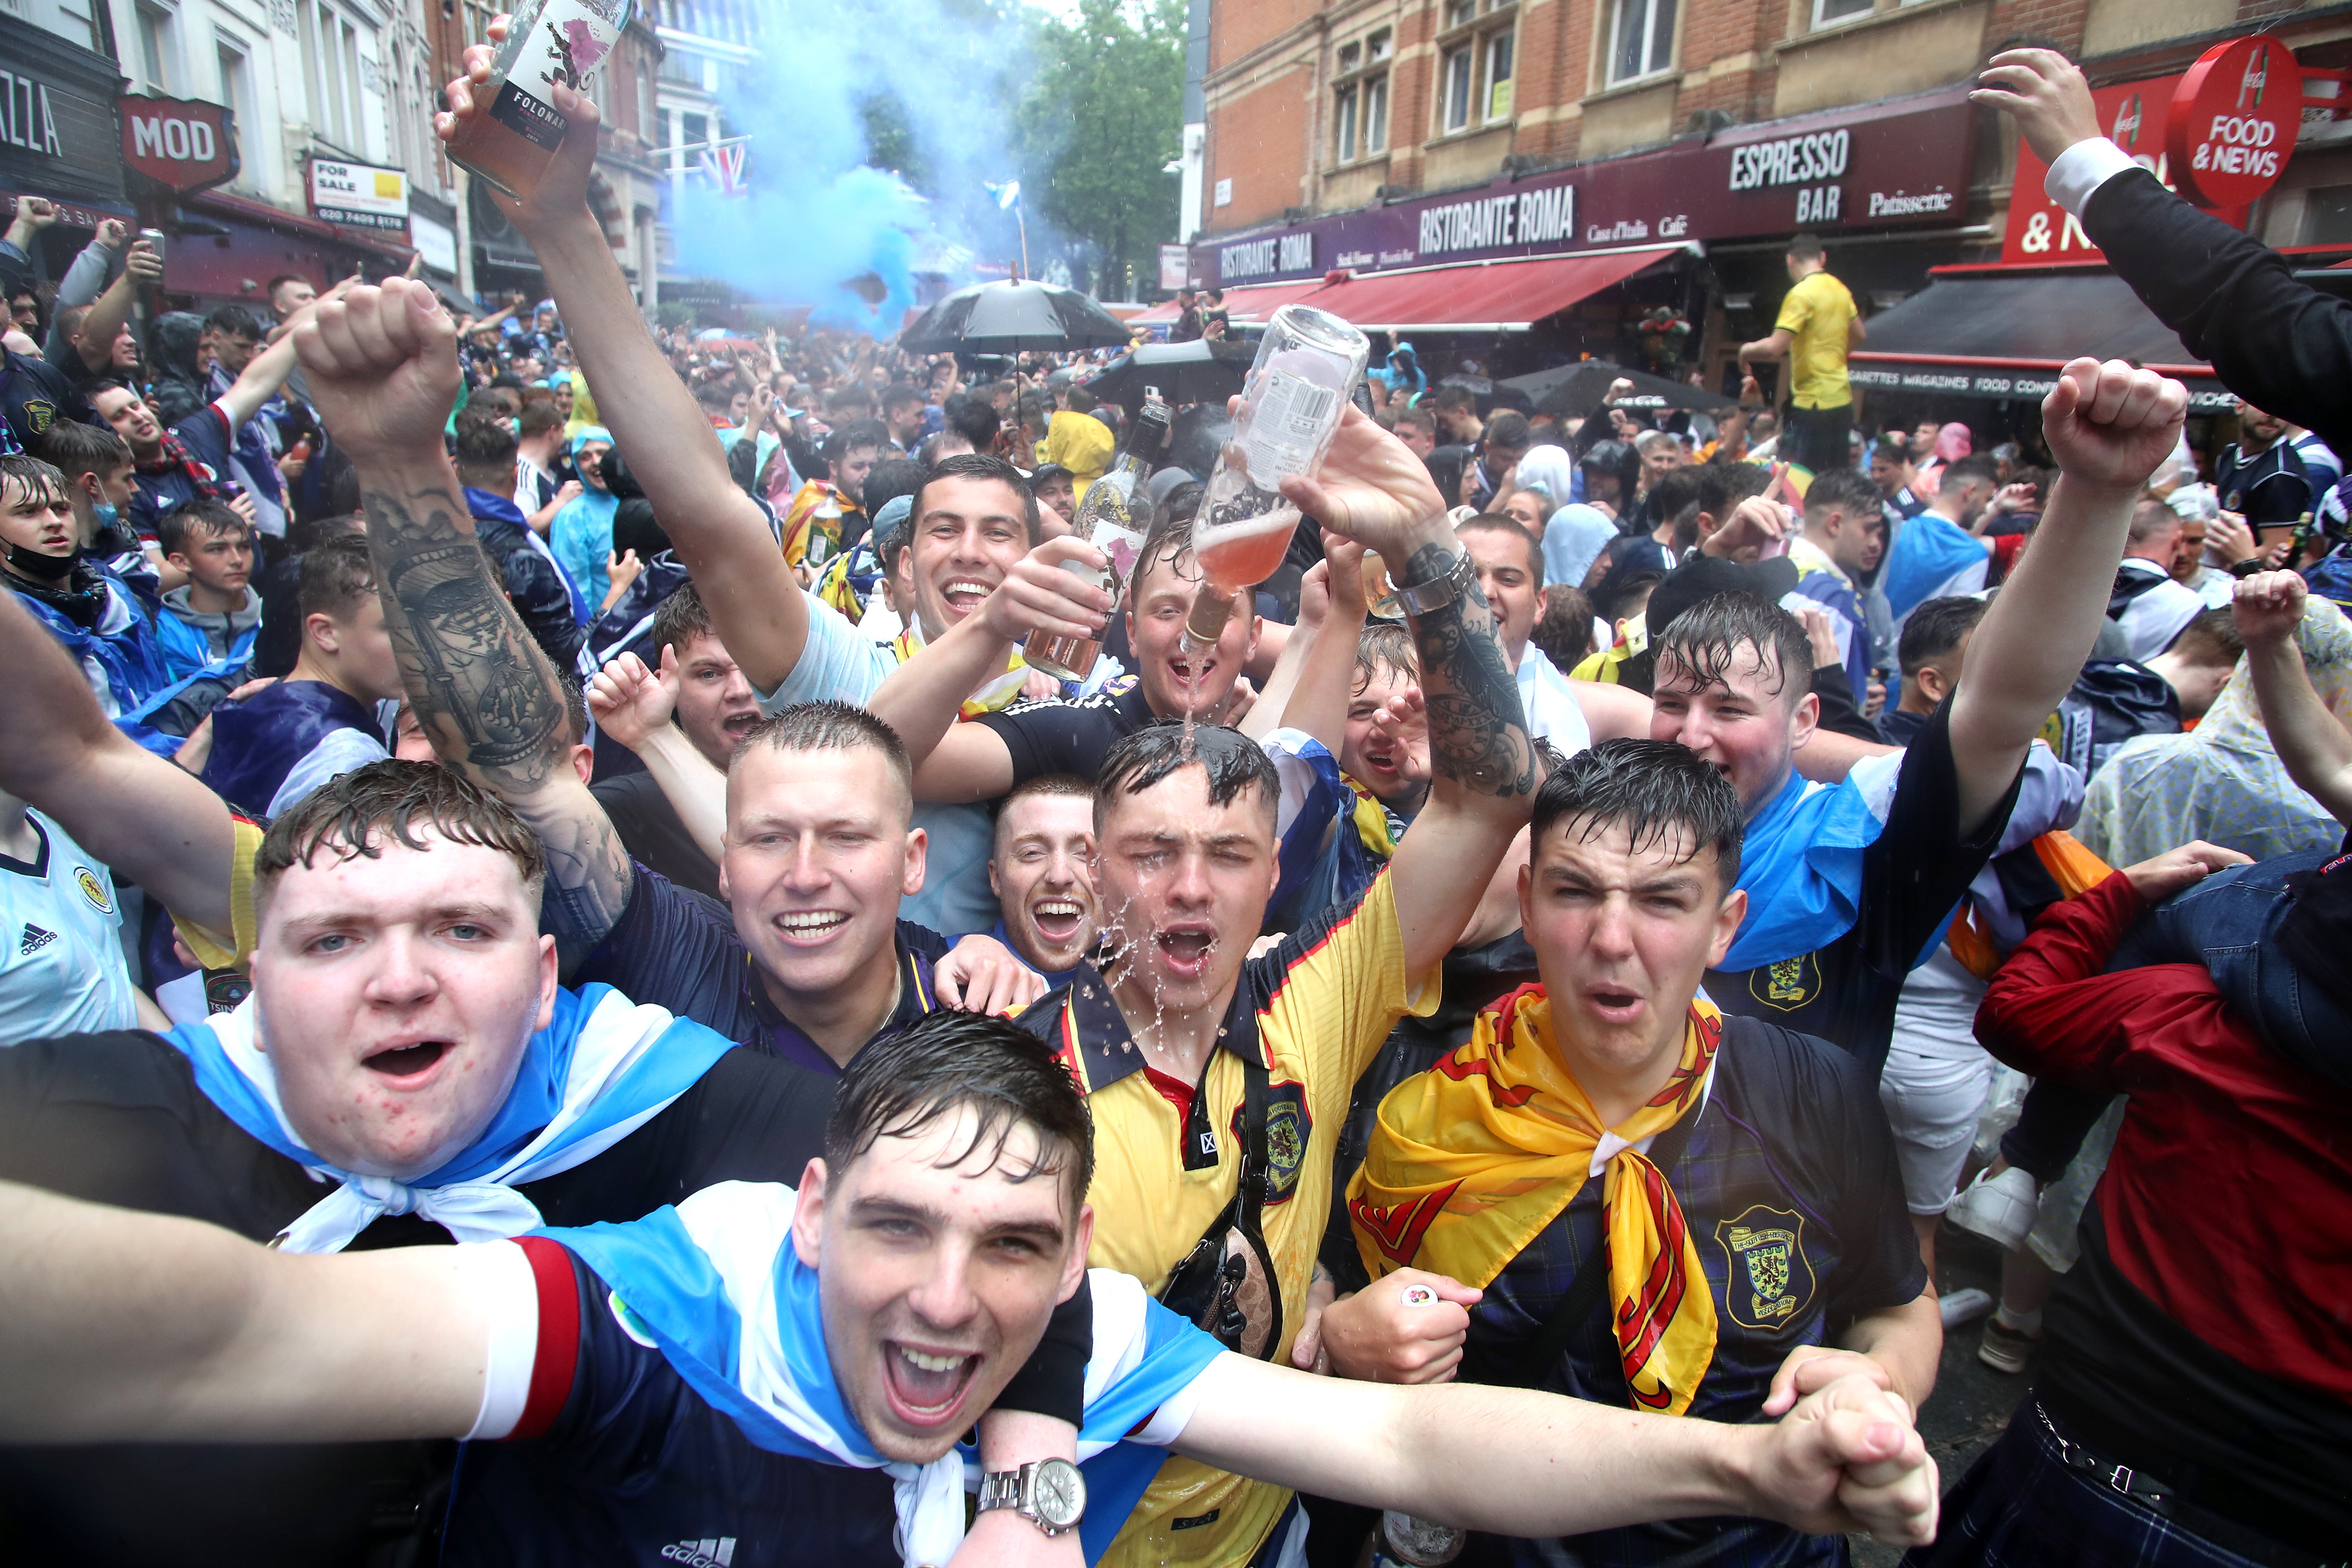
(1478, 729)
(490, 702)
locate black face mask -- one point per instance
(39, 567)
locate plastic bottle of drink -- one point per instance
(1308, 363)
(1114, 518)
(516, 129)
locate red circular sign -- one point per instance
(2233, 121)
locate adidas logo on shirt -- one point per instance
(34, 940)
(705, 1553)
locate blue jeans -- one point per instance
(2228, 923)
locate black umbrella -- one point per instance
(1011, 318)
(1578, 389)
(1202, 371)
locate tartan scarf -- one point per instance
(1472, 1160)
(176, 460)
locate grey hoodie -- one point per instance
(221, 631)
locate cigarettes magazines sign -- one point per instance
(186, 145)
(1898, 163)
(359, 195)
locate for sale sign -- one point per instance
(2233, 122)
(359, 195)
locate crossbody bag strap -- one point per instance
(1590, 1289)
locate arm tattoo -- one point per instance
(1477, 730)
(489, 698)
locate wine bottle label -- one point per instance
(564, 41)
(1287, 414)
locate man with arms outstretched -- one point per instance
(865, 1321)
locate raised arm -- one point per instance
(383, 363)
(125, 1327)
(2109, 426)
(2311, 741)
(1374, 491)
(104, 322)
(719, 533)
(633, 705)
(1331, 611)
(147, 819)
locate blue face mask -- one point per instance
(107, 513)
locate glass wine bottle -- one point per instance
(514, 129)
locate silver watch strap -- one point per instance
(1441, 590)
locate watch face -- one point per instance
(1059, 1493)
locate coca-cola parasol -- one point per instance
(1006, 318)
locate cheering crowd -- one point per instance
(573, 997)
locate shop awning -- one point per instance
(1493, 297)
(1997, 334)
(1243, 307)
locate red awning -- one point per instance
(1249, 306)
(1495, 297)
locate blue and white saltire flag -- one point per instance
(1932, 558)
(716, 1285)
(1007, 196)
(1801, 862)
(601, 1069)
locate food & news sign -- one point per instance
(1900, 164)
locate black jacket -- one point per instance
(2282, 345)
(534, 583)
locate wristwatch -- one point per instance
(1049, 1493)
(1441, 590)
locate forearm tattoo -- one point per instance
(486, 696)
(1478, 729)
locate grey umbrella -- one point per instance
(1006, 318)
(1202, 371)
(1579, 389)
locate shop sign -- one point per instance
(436, 241)
(52, 135)
(1899, 164)
(184, 145)
(359, 195)
(2000, 381)
(2235, 118)
(1175, 267)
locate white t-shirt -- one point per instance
(61, 966)
(1553, 713)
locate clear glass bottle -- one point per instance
(1114, 518)
(1308, 363)
(513, 135)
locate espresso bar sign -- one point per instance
(1904, 162)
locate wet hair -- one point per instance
(1959, 471)
(305, 534)
(360, 812)
(78, 449)
(181, 528)
(1386, 645)
(1232, 761)
(829, 726)
(1421, 417)
(1806, 246)
(679, 619)
(979, 466)
(1848, 488)
(973, 418)
(1660, 790)
(540, 414)
(1504, 524)
(486, 452)
(1508, 430)
(901, 1085)
(1894, 448)
(1714, 637)
(2210, 638)
(235, 320)
(1056, 785)
(2152, 519)
(1934, 628)
(890, 479)
(1454, 397)
(1623, 591)
(899, 394)
(855, 436)
(337, 578)
(1564, 631)
(39, 479)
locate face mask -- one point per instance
(39, 567)
(107, 513)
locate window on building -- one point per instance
(158, 49)
(1460, 13)
(1351, 57)
(1359, 102)
(1454, 77)
(1376, 114)
(1498, 75)
(1829, 13)
(230, 60)
(1642, 39)
(1343, 124)
(478, 20)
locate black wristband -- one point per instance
(1053, 1380)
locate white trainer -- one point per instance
(2000, 1208)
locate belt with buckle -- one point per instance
(2163, 1500)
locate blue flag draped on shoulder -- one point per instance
(715, 1286)
(1801, 865)
(602, 1069)
(1933, 557)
